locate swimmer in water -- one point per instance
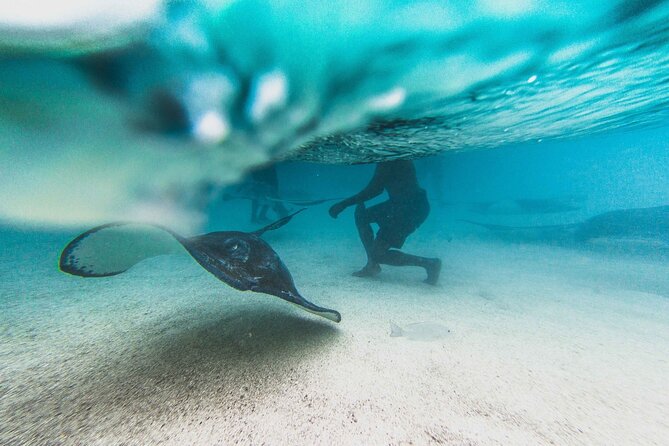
(404, 211)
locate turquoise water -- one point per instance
(192, 92)
(538, 129)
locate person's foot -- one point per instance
(368, 270)
(433, 269)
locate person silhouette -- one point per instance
(404, 211)
(265, 183)
(261, 187)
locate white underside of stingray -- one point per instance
(112, 249)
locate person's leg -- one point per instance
(396, 257)
(402, 221)
(254, 211)
(262, 214)
(364, 225)
(363, 221)
(280, 210)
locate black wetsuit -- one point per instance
(404, 211)
(406, 208)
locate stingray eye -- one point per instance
(238, 249)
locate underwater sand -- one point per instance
(547, 346)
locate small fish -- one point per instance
(419, 331)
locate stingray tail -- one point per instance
(327, 313)
(277, 224)
(298, 202)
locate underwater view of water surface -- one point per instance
(353, 222)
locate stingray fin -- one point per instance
(110, 249)
(277, 224)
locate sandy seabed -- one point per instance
(547, 346)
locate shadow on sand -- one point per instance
(171, 371)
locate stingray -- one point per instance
(240, 259)
(526, 206)
(646, 226)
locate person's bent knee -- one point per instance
(379, 250)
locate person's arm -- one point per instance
(373, 189)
